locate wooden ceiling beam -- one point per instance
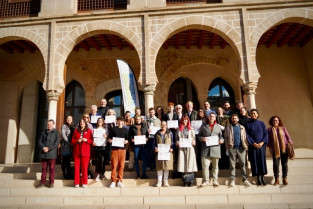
(15, 47)
(263, 38)
(84, 45)
(165, 45)
(105, 42)
(307, 39)
(299, 36)
(276, 35)
(25, 46)
(213, 40)
(189, 37)
(130, 46)
(76, 48)
(177, 41)
(224, 43)
(117, 42)
(6, 48)
(288, 34)
(94, 43)
(201, 39)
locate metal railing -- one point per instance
(191, 1)
(89, 5)
(20, 8)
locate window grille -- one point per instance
(19, 8)
(87, 5)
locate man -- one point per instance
(151, 120)
(48, 144)
(94, 114)
(237, 144)
(239, 105)
(118, 154)
(179, 113)
(207, 108)
(102, 110)
(192, 114)
(210, 153)
(226, 107)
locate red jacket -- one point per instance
(82, 148)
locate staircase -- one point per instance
(17, 191)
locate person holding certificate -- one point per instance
(211, 137)
(99, 143)
(94, 115)
(81, 141)
(139, 129)
(118, 138)
(163, 137)
(187, 163)
(109, 124)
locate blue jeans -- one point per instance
(142, 152)
(150, 156)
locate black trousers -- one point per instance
(100, 160)
(283, 159)
(66, 166)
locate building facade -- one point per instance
(59, 58)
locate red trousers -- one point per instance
(118, 160)
(81, 163)
(44, 166)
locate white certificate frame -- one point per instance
(163, 147)
(99, 132)
(212, 141)
(172, 124)
(94, 119)
(140, 140)
(185, 142)
(118, 142)
(100, 142)
(164, 156)
(110, 119)
(196, 124)
(154, 129)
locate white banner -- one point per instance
(129, 87)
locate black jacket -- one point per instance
(133, 131)
(51, 140)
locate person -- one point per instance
(239, 105)
(67, 131)
(278, 138)
(152, 121)
(138, 129)
(99, 150)
(128, 120)
(243, 116)
(137, 112)
(118, 156)
(102, 110)
(86, 117)
(227, 110)
(93, 113)
(257, 138)
(236, 143)
(223, 120)
(207, 108)
(201, 116)
(131, 156)
(109, 126)
(179, 112)
(48, 143)
(159, 113)
(210, 153)
(192, 114)
(187, 163)
(81, 141)
(163, 136)
(170, 113)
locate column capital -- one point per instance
(250, 88)
(149, 89)
(53, 95)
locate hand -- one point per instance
(84, 139)
(171, 150)
(126, 141)
(110, 140)
(105, 136)
(146, 139)
(149, 130)
(203, 139)
(132, 140)
(45, 149)
(177, 144)
(256, 145)
(94, 143)
(220, 141)
(193, 143)
(80, 140)
(156, 150)
(261, 144)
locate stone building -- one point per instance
(59, 57)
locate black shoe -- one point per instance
(40, 185)
(185, 184)
(262, 180)
(144, 176)
(138, 176)
(51, 185)
(259, 180)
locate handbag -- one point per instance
(290, 151)
(189, 177)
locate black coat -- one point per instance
(133, 131)
(50, 139)
(193, 116)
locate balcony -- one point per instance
(19, 8)
(182, 2)
(90, 5)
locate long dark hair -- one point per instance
(271, 121)
(181, 124)
(103, 123)
(79, 128)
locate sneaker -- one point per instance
(98, 178)
(120, 184)
(204, 184)
(76, 186)
(247, 183)
(84, 185)
(112, 185)
(159, 184)
(232, 183)
(215, 183)
(165, 184)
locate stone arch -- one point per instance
(105, 87)
(64, 48)
(227, 32)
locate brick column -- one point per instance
(149, 93)
(249, 89)
(53, 96)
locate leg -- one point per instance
(242, 163)
(121, 163)
(215, 167)
(131, 159)
(97, 155)
(144, 160)
(51, 170)
(43, 170)
(85, 163)
(276, 166)
(68, 166)
(136, 152)
(148, 152)
(232, 162)
(160, 175)
(205, 168)
(102, 162)
(63, 166)
(114, 163)
(77, 162)
(284, 164)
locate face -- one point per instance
(50, 125)
(100, 122)
(86, 117)
(226, 106)
(93, 110)
(239, 106)
(82, 124)
(110, 113)
(207, 105)
(234, 120)
(254, 115)
(138, 120)
(103, 103)
(127, 115)
(178, 110)
(276, 122)
(69, 119)
(163, 125)
(170, 108)
(159, 111)
(212, 118)
(185, 122)
(152, 113)
(201, 113)
(243, 111)
(189, 106)
(119, 123)
(219, 111)
(138, 112)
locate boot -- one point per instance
(276, 181)
(262, 180)
(259, 180)
(285, 182)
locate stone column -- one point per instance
(53, 96)
(249, 89)
(149, 92)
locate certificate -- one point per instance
(110, 119)
(118, 142)
(94, 119)
(154, 129)
(140, 139)
(99, 132)
(212, 141)
(185, 142)
(164, 148)
(196, 124)
(164, 156)
(222, 127)
(100, 142)
(172, 123)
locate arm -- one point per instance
(56, 141)
(89, 137)
(265, 134)
(287, 135)
(63, 133)
(75, 138)
(172, 142)
(249, 138)
(40, 141)
(220, 134)
(226, 136)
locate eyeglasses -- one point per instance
(178, 108)
(85, 117)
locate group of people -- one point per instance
(184, 142)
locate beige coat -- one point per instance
(229, 137)
(164, 164)
(186, 156)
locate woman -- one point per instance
(159, 113)
(138, 129)
(278, 138)
(202, 115)
(257, 138)
(187, 163)
(243, 116)
(86, 117)
(81, 141)
(66, 148)
(163, 136)
(109, 126)
(99, 149)
(223, 120)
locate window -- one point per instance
(181, 91)
(74, 101)
(220, 91)
(115, 102)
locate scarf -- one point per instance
(277, 143)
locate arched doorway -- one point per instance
(74, 101)
(220, 91)
(183, 90)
